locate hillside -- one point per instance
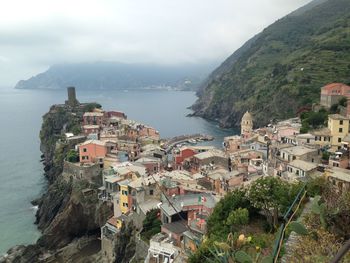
(282, 68)
(115, 75)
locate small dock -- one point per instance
(192, 139)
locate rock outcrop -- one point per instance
(65, 214)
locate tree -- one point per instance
(271, 195)
(151, 224)
(238, 217)
(217, 221)
(72, 156)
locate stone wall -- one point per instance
(90, 172)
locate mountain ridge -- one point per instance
(117, 75)
(284, 67)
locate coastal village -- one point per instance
(179, 181)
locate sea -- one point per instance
(21, 172)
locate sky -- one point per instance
(38, 33)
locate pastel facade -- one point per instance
(233, 143)
(92, 151)
(299, 152)
(339, 128)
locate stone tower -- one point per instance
(246, 123)
(72, 100)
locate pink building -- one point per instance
(117, 114)
(333, 92)
(287, 131)
(92, 151)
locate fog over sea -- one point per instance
(21, 172)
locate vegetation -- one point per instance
(151, 224)
(91, 106)
(335, 108)
(240, 213)
(313, 120)
(321, 232)
(72, 156)
(284, 68)
(327, 224)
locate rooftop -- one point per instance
(305, 166)
(177, 227)
(148, 205)
(337, 117)
(322, 132)
(93, 114)
(145, 180)
(181, 201)
(91, 126)
(339, 173)
(112, 179)
(96, 142)
(298, 150)
(210, 154)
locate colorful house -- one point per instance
(124, 196)
(92, 151)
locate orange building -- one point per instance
(92, 151)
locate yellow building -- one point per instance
(124, 196)
(339, 128)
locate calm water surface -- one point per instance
(21, 172)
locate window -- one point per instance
(294, 157)
(339, 139)
(84, 150)
(341, 122)
(324, 138)
(340, 130)
(124, 192)
(307, 140)
(151, 192)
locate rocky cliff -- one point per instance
(65, 214)
(282, 68)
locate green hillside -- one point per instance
(284, 68)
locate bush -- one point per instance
(151, 224)
(238, 217)
(72, 156)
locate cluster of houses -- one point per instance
(136, 174)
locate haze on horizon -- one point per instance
(36, 34)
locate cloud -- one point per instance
(36, 34)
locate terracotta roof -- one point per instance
(330, 87)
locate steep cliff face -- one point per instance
(282, 68)
(57, 121)
(65, 214)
